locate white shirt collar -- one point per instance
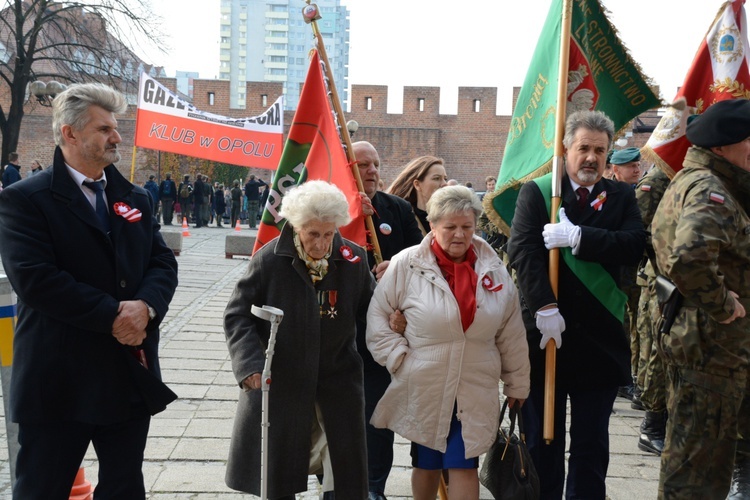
(576, 185)
(79, 178)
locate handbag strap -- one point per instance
(515, 414)
(512, 417)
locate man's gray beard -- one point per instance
(114, 156)
(587, 177)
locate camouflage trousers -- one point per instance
(702, 433)
(650, 375)
(630, 325)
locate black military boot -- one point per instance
(653, 431)
(636, 403)
(740, 489)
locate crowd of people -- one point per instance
(204, 203)
(421, 333)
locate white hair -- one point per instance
(315, 200)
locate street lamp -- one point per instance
(352, 126)
(45, 92)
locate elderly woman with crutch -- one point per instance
(322, 284)
(464, 334)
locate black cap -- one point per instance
(723, 123)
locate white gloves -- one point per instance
(551, 323)
(562, 234)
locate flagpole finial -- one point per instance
(310, 12)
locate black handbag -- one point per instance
(508, 472)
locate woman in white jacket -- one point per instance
(464, 334)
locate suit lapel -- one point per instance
(64, 189)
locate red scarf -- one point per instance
(462, 281)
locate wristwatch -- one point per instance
(151, 311)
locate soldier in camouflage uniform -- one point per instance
(701, 235)
(626, 168)
(650, 376)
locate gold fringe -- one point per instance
(650, 155)
(515, 184)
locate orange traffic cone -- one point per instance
(81, 488)
(237, 227)
(185, 230)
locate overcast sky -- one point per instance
(487, 43)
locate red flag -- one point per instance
(719, 72)
(313, 151)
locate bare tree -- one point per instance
(77, 41)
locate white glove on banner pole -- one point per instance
(551, 323)
(562, 234)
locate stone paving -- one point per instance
(188, 443)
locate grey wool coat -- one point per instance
(315, 361)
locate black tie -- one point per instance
(583, 197)
(101, 207)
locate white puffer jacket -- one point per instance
(434, 363)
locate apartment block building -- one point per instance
(268, 41)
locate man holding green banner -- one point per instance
(600, 229)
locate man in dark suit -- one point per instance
(395, 228)
(94, 279)
(600, 229)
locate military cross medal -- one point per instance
(332, 297)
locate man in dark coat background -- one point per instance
(167, 196)
(395, 228)
(600, 229)
(11, 172)
(199, 194)
(94, 279)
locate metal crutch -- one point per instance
(274, 316)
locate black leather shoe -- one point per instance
(651, 445)
(626, 391)
(740, 489)
(375, 496)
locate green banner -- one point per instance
(601, 76)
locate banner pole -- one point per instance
(558, 169)
(132, 166)
(338, 110)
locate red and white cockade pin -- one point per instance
(130, 214)
(489, 285)
(348, 254)
(598, 203)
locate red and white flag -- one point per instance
(719, 71)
